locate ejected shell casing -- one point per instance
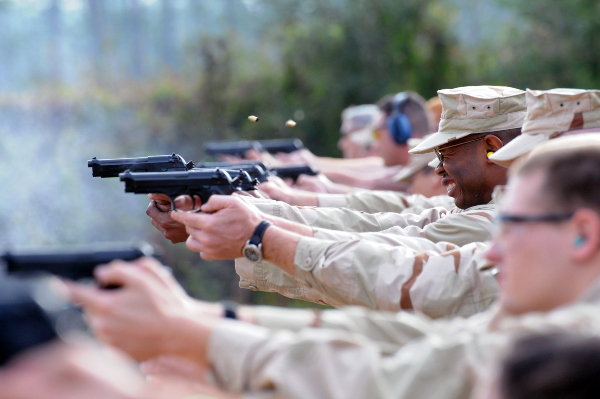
(290, 123)
(253, 118)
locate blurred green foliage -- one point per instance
(315, 58)
(550, 44)
(328, 55)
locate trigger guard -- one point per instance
(194, 210)
(173, 208)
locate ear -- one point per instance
(586, 235)
(492, 144)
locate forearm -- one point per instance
(329, 218)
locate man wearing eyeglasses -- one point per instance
(436, 230)
(449, 280)
(468, 114)
(457, 282)
(547, 251)
(476, 122)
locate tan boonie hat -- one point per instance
(549, 114)
(475, 109)
(359, 122)
(417, 161)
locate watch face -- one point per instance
(252, 253)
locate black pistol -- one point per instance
(255, 169)
(234, 148)
(74, 263)
(281, 145)
(196, 182)
(292, 172)
(239, 148)
(260, 171)
(158, 163)
(26, 321)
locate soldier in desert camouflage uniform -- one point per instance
(547, 251)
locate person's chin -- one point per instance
(458, 198)
(509, 305)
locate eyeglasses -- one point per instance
(503, 220)
(440, 156)
(547, 218)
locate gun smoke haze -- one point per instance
(50, 194)
(51, 198)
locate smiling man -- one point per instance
(476, 122)
(494, 115)
(547, 250)
(435, 229)
(467, 112)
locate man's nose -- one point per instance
(440, 169)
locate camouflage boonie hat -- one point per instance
(475, 109)
(359, 122)
(549, 114)
(417, 161)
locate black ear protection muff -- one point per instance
(398, 123)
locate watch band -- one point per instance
(229, 309)
(259, 232)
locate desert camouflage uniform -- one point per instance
(364, 252)
(444, 280)
(357, 353)
(458, 226)
(466, 111)
(385, 201)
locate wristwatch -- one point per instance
(253, 248)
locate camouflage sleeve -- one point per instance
(373, 201)
(401, 357)
(346, 219)
(442, 281)
(392, 201)
(265, 276)
(438, 201)
(459, 228)
(328, 218)
(447, 282)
